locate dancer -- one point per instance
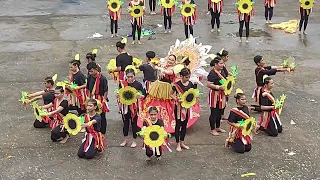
(167, 11)
(136, 22)
(189, 21)
(182, 115)
(224, 54)
(217, 98)
(304, 17)
(237, 140)
(114, 14)
(77, 94)
(91, 57)
(215, 9)
(260, 71)
(93, 141)
(152, 5)
(97, 85)
(244, 20)
(270, 121)
(268, 9)
(60, 109)
(149, 71)
(130, 112)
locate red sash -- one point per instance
(266, 116)
(98, 137)
(133, 107)
(239, 131)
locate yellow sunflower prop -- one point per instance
(77, 57)
(187, 10)
(177, 68)
(114, 5)
(112, 66)
(282, 99)
(307, 4)
(154, 136)
(136, 11)
(228, 84)
(72, 123)
(245, 6)
(189, 98)
(36, 111)
(137, 61)
(167, 3)
(128, 95)
(215, 1)
(248, 126)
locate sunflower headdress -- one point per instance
(114, 5)
(72, 123)
(245, 6)
(189, 98)
(307, 4)
(168, 3)
(187, 10)
(38, 113)
(94, 51)
(279, 103)
(136, 11)
(128, 95)
(155, 61)
(247, 125)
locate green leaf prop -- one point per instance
(285, 63)
(234, 71)
(82, 119)
(241, 123)
(237, 3)
(222, 81)
(293, 65)
(42, 112)
(116, 91)
(121, 2)
(141, 133)
(24, 97)
(277, 104)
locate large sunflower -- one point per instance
(154, 136)
(187, 10)
(72, 123)
(282, 99)
(37, 111)
(229, 83)
(136, 11)
(114, 5)
(128, 95)
(189, 98)
(248, 126)
(245, 6)
(307, 4)
(215, 1)
(167, 3)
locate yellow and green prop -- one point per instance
(114, 5)
(136, 11)
(72, 123)
(38, 113)
(247, 125)
(280, 103)
(187, 10)
(128, 95)
(68, 86)
(215, 1)
(24, 98)
(289, 63)
(168, 3)
(99, 105)
(189, 98)
(229, 82)
(307, 4)
(245, 6)
(137, 62)
(288, 27)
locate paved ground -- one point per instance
(38, 38)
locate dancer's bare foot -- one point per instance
(184, 146)
(133, 145)
(214, 132)
(64, 140)
(123, 144)
(178, 147)
(148, 159)
(220, 130)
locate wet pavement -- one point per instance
(38, 38)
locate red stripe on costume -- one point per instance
(240, 113)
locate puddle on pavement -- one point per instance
(71, 1)
(25, 47)
(253, 33)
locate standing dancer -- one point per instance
(97, 85)
(215, 9)
(245, 12)
(136, 10)
(268, 9)
(115, 9)
(189, 16)
(152, 5)
(217, 97)
(167, 9)
(149, 71)
(305, 10)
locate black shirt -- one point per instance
(103, 84)
(96, 126)
(137, 85)
(259, 72)
(48, 97)
(265, 101)
(225, 70)
(148, 72)
(183, 87)
(159, 123)
(235, 118)
(65, 105)
(79, 78)
(213, 77)
(123, 60)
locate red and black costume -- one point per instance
(260, 72)
(149, 75)
(167, 14)
(244, 19)
(149, 150)
(77, 97)
(304, 17)
(48, 97)
(268, 8)
(122, 61)
(215, 9)
(189, 21)
(114, 17)
(58, 131)
(136, 23)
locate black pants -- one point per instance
(186, 27)
(215, 117)
(304, 17)
(166, 21)
(149, 152)
(239, 147)
(103, 129)
(268, 12)
(273, 129)
(56, 133)
(215, 18)
(92, 151)
(152, 5)
(134, 28)
(241, 27)
(115, 24)
(181, 126)
(40, 124)
(126, 123)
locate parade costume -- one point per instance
(270, 120)
(150, 151)
(260, 72)
(245, 12)
(216, 98)
(160, 91)
(149, 75)
(77, 97)
(137, 12)
(239, 141)
(58, 131)
(305, 10)
(189, 16)
(123, 60)
(268, 8)
(167, 9)
(48, 98)
(97, 87)
(114, 7)
(130, 105)
(93, 140)
(152, 5)
(215, 9)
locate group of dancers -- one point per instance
(167, 97)
(245, 12)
